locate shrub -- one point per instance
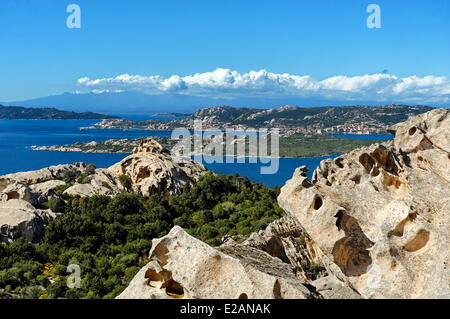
(55, 204)
(90, 169)
(125, 181)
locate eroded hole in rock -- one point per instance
(367, 162)
(393, 184)
(356, 178)
(352, 260)
(173, 289)
(385, 159)
(143, 173)
(351, 253)
(13, 195)
(306, 184)
(153, 276)
(418, 242)
(317, 203)
(375, 171)
(243, 296)
(160, 252)
(338, 217)
(399, 230)
(338, 161)
(275, 248)
(412, 130)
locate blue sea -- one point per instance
(17, 137)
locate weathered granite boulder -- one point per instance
(380, 214)
(102, 182)
(43, 192)
(184, 267)
(38, 187)
(19, 218)
(33, 177)
(16, 191)
(152, 170)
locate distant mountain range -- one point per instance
(136, 102)
(27, 113)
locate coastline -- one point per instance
(191, 155)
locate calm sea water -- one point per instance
(17, 137)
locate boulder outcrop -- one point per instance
(19, 218)
(380, 214)
(182, 266)
(100, 182)
(152, 170)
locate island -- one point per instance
(47, 113)
(355, 119)
(295, 145)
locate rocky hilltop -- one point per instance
(152, 170)
(149, 170)
(372, 223)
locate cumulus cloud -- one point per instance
(226, 83)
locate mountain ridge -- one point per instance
(137, 102)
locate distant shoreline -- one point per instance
(191, 156)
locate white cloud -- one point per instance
(226, 83)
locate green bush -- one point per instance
(90, 169)
(56, 205)
(83, 179)
(125, 181)
(109, 238)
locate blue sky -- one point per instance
(40, 56)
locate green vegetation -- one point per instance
(295, 145)
(300, 145)
(125, 181)
(110, 237)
